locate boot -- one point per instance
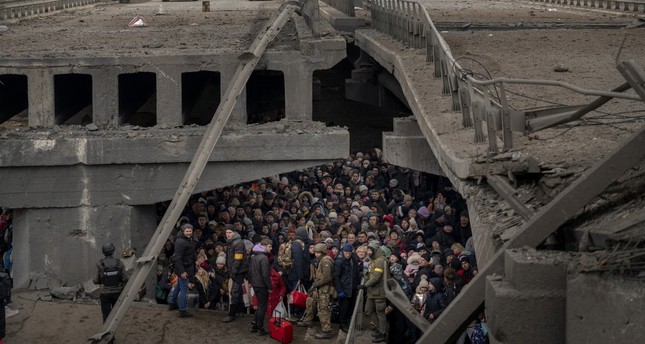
(173, 307)
(303, 324)
(344, 328)
(323, 335)
(229, 318)
(379, 339)
(376, 334)
(262, 332)
(184, 314)
(254, 326)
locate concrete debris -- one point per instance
(66, 293)
(91, 289)
(91, 127)
(45, 297)
(561, 69)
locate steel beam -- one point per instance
(583, 190)
(248, 61)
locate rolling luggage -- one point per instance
(280, 329)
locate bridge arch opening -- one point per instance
(138, 99)
(13, 97)
(265, 96)
(73, 99)
(200, 96)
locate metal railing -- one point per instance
(345, 6)
(409, 22)
(356, 324)
(19, 9)
(626, 6)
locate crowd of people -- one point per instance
(328, 232)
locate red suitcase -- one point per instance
(280, 329)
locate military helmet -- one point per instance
(320, 248)
(108, 249)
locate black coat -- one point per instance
(185, 256)
(346, 274)
(260, 271)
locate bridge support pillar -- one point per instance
(105, 98)
(58, 242)
(238, 115)
(298, 92)
(169, 98)
(41, 98)
(535, 284)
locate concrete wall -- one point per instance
(65, 243)
(605, 310)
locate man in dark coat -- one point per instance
(436, 300)
(346, 279)
(260, 279)
(184, 261)
(237, 263)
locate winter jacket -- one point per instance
(301, 261)
(260, 269)
(374, 280)
(185, 257)
(346, 274)
(435, 304)
(324, 275)
(110, 261)
(237, 260)
(278, 291)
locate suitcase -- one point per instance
(280, 329)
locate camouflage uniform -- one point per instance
(375, 305)
(323, 292)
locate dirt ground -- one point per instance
(48, 322)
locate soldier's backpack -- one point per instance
(285, 259)
(111, 276)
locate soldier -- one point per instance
(375, 305)
(110, 272)
(237, 263)
(320, 293)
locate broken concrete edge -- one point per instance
(339, 20)
(44, 148)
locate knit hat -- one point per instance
(348, 248)
(221, 258)
(414, 259)
(424, 281)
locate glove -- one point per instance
(341, 294)
(312, 290)
(361, 287)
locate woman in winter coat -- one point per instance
(278, 289)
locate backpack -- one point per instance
(5, 288)
(111, 276)
(478, 336)
(285, 259)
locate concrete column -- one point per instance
(65, 243)
(239, 114)
(105, 98)
(534, 287)
(169, 98)
(41, 98)
(298, 92)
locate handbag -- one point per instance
(298, 296)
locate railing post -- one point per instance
(506, 119)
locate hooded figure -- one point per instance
(436, 300)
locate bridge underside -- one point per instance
(71, 194)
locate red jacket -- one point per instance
(278, 292)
